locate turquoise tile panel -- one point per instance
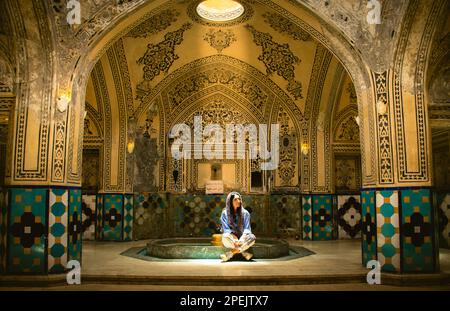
(322, 217)
(368, 227)
(57, 230)
(417, 231)
(307, 217)
(27, 230)
(75, 226)
(388, 230)
(112, 217)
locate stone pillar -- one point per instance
(398, 215)
(399, 229)
(41, 215)
(43, 229)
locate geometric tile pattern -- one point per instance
(149, 214)
(307, 219)
(285, 211)
(349, 216)
(3, 217)
(99, 218)
(197, 215)
(112, 217)
(417, 231)
(128, 217)
(322, 217)
(27, 229)
(369, 229)
(255, 204)
(444, 219)
(89, 215)
(57, 230)
(75, 226)
(388, 230)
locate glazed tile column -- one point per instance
(399, 227)
(43, 229)
(41, 217)
(41, 209)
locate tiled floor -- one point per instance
(340, 257)
(331, 258)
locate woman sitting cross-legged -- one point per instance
(237, 233)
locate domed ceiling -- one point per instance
(174, 36)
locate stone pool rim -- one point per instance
(289, 252)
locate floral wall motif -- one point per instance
(91, 171)
(241, 83)
(278, 58)
(219, 39)
(348, 130)
(160, 57)
(288, 169)
(347, 173)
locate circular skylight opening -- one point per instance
(220, 10)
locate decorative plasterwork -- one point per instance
(38, 93)
(400, 77)
(124, 76)
(213, 71)
(288, 150)
(160, 57)
(284, 25)
(278, 58)
(154, 24)
(345, 128)
(220, 39)
(257, 97)
(121, 147)
(384, 130)
(320, 69)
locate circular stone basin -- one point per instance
(201, 248)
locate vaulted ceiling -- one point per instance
(173, 38)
